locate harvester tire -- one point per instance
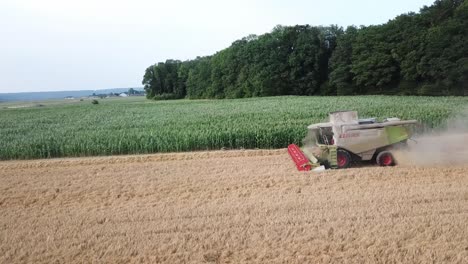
(343, 159)
(385, 158)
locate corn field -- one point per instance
(138, 126)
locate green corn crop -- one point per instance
(131, 126)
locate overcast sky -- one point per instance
(48, 45)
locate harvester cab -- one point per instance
(346, 140)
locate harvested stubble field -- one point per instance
(229, 207)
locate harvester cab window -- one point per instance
(325, 136)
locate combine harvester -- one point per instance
(346, 140)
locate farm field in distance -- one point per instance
(249, 206)
(70, 128)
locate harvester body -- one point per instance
(345, 139)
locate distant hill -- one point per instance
(31, 96)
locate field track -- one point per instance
(247, 206)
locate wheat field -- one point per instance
(247, 206)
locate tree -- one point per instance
(415, 53)
(341, 77)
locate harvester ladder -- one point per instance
(333, 157)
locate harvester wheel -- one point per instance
(343, 159)
(385, 158)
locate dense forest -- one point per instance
(423, 53)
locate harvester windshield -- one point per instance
(319, 135)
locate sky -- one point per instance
(55, 45)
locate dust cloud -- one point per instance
(443, 147)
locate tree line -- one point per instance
(423, 53)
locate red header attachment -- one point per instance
(302, 162)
